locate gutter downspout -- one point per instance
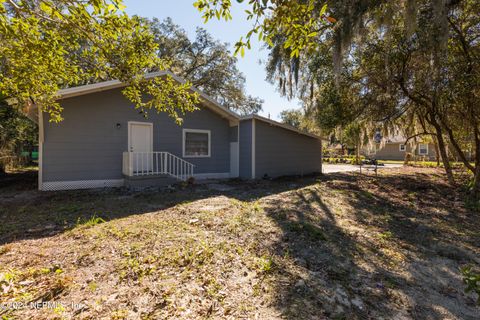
(253, 148)
(41, 137)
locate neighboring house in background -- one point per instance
(336, 149)
(104, 142)
(396, 149)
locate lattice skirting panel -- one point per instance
(216, 175)
(81, 184)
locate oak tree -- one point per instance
(46, 45)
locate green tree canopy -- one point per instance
(302, 25)
(16, 132)
(299, 119)
(206, 63)
(46, 45)
(292, 117)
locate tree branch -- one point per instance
(457, 147)
(420, 134)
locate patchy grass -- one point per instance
(86, 223)
(472, 281)
(344, 246)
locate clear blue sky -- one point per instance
(184, 14)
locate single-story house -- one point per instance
(104, 142)
(396, 149)
(336, 149)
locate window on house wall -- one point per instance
(196, 143)
(423, 149)
(403, 147)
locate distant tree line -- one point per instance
(207, 63)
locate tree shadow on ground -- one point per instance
(405, 265)
(389, 247)
(27, 213)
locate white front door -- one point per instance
(140, 142)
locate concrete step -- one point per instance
(158, 180)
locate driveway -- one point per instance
(330, 168)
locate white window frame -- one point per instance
(402, 147)
(420, 148)
(184, 134)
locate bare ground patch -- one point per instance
(340, 246)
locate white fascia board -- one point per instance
(100, 86)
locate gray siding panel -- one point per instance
(391, 151)
(282, 152)
(87, 145)
(245, 158)
(234, 134)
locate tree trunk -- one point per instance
(437, 152)
(443, 153)
(357, 154)
(476, 177)
(459, 150)
(476, 182)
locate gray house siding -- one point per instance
(87, 145)
(245, 157)
(391, 151)
(234, 134)
(280, 152)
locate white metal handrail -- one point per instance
(155, 163)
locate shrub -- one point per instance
(471, 279)
(93, 221)
(469, 184)
(265, 264)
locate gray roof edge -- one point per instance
(282, 125)
(112, 84)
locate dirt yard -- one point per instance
(341, 246)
